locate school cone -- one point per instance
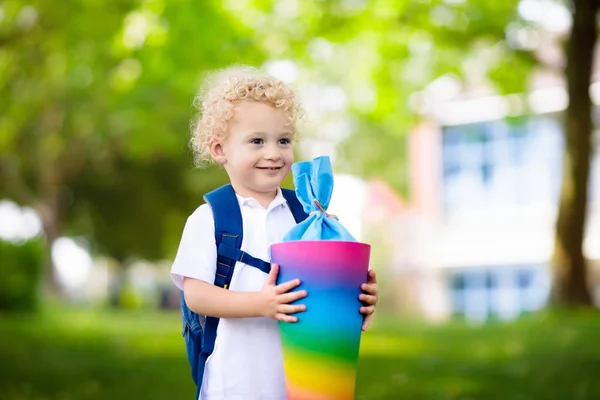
(320, 351)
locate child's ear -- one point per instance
(216, 151)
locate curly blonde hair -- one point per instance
(223, 91)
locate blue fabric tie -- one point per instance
(314, 186)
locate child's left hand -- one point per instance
(370, 298)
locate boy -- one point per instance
(248, 124)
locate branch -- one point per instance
(8, 39)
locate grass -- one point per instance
(93, 355)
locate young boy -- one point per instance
(248, 124)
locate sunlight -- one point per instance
(72, 261)
(18, 223)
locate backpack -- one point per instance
(200, 331)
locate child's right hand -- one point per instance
(275, 299)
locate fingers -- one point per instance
(370, 288)
(287, 298)
(287, 286)
(370, 300)
(367, 311)
(371, 276)
(366, 322)
(272, 278)
(291, 308)
(285, 310)
(286, 318)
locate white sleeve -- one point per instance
(197, 253)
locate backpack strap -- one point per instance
(295, 205)
(229, 232)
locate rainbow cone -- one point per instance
(320, 351)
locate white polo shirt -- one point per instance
(246, 363)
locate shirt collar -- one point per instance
(252, 202)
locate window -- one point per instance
(499, 291)
(501, 164)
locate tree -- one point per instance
(570, 270)
(382, 53)
(55, 76)
(96, 125)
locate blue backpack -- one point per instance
(200, 331)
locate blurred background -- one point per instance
(463, 135)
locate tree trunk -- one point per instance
(119, 284)
(570, 272)
(51, 213)
(51, 225)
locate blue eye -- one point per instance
(256, 141)
(285, 141)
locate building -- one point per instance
(484, 197)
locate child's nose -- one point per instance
(272, 153)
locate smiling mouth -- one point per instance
(269, 168)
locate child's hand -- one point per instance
(275, 299)
(370, 298)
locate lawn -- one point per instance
(99, 355)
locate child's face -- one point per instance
(257, 152)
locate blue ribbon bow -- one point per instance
(314, 186)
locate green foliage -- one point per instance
(97, 127)
(383, 53)
(129, 299)
(139, 208)
(21, 268)
(89, 355)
